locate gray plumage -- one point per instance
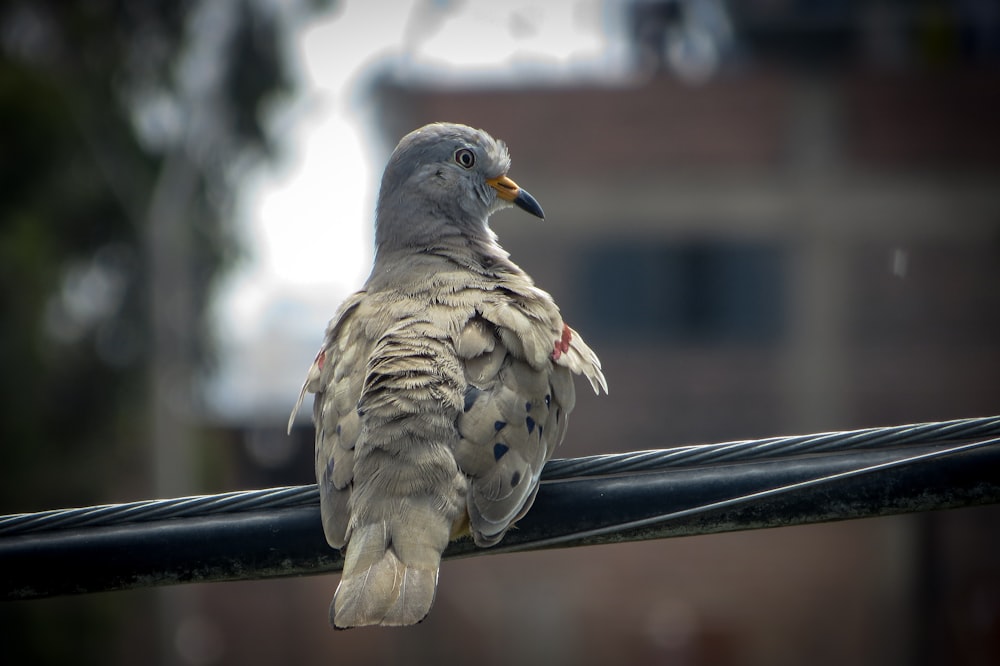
(443, 386)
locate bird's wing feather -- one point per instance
(582, 360)
(517, 402)
(336, 376)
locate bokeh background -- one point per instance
(768, 217)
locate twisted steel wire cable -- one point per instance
(706, 489)
(939, 432)
(150, 510)
(774, 448)
(620, 528)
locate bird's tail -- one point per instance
(391, 570)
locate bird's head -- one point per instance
(443, 179)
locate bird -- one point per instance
(443, 386)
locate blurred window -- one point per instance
(688, 292)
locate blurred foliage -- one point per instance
(97, 99)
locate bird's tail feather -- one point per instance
(390, 575)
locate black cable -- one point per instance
(277, 532)
(943, 432)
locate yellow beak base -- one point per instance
(508, 190)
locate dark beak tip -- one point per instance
(529, 204)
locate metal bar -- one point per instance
(739, 496)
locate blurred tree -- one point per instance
(105, 106)
(125, 126)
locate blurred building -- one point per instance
(777, 250)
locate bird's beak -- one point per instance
(508, 190)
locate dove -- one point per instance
(441, 387)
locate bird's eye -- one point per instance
(465, 157)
